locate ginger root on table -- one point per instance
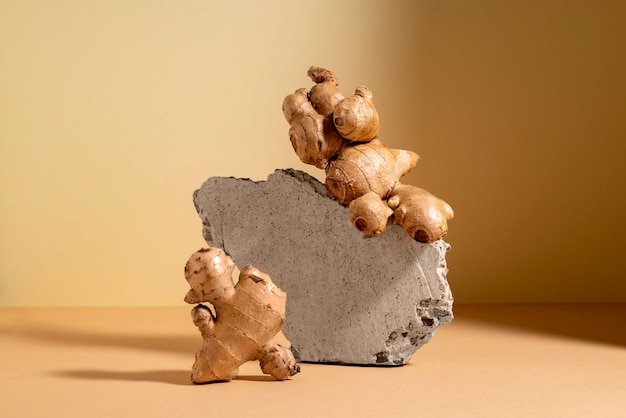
(247, 318)
(340, 135)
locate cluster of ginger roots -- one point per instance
(339, 134)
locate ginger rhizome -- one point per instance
(339, 134)
(247, 318)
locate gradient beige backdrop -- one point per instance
(113, 112)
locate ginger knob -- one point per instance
(369, 214)
(356, 118)
(367, 167)
(325, 95)
(277, 361)
(313, 136)
(421, 214)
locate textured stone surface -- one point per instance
(350, 298)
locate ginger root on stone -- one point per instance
(355, 117)
(421, 214)
(340, 135)
(313, 136)
(247, 317)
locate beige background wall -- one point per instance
(112, 113)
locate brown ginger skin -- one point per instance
(247, 317)
(421, 214)
(361, 171)
(349, 180)
(325, 95)
(277, 361)
(369, 213)
(312, 135)
(362, 168)
(356, 117)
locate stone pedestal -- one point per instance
(351, 299)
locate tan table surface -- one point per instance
(492, 360)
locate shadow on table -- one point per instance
(46, 334)
(176, 377)
(184, 345)
(603, 323)
(172, 344)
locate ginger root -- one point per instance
(340, 135)
(313, 137)
(421, 214)
(247, 317)
(356, 118)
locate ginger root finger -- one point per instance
(209, 274)
(278, 361)
(356, 118)
(421, 214)
(367, 167)
(369, 214)
(313, 136)
(325, 95)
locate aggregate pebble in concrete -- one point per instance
(351, 298)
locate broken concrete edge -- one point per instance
(301, 176)
(444, 314)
